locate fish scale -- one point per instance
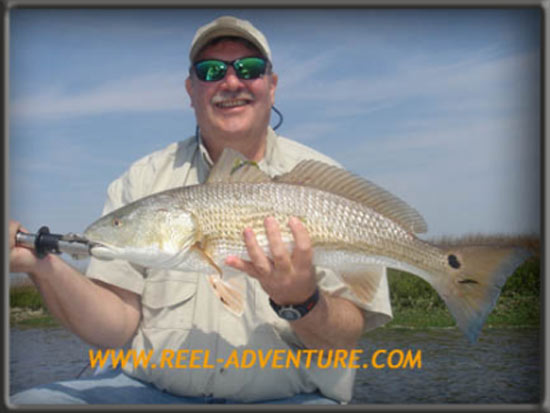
(224, 210)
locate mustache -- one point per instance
(228, 95)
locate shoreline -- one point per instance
(27, 317)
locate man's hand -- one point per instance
(101, 314)
(21, 259)
(288, 278)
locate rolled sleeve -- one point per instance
(377, 313)
(117, 272)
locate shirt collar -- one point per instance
(265, 163)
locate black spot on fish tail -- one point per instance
(468, 281)
(453, 261)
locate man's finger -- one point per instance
(13, 228)
(258, 259)
(241, 265)
(279, 251)
(302, 255)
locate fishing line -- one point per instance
(83, 370)
(280, 117)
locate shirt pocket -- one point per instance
(168, 303)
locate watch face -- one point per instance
(289, 313)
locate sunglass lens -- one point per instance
(250, 67)
(210, 70)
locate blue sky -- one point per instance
(441, 107)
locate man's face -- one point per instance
(231, 106)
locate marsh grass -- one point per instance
(26, 296)
(415, 303)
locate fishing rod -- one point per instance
(44, 243)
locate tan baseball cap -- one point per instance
(229, 26)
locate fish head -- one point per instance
(148, 232)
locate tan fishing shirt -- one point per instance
(221, 354)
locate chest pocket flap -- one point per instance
(167, 293)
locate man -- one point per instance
(232, 90)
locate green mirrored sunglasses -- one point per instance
(212, 70)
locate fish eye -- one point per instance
(117, 222)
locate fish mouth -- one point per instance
(102, 251)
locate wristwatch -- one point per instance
(296, 311)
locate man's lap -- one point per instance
(115, 387)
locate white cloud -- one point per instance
(478, 82)
(154, 92)
(308, 132)
(294, 73)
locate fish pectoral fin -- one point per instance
(205, 257)
(229, 293)
(363, 282)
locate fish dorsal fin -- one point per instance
(233, 166)
(338, 181)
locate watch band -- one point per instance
(296, 311)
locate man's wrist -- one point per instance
(296, 311)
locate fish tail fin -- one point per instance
(476, 275)
(229, 293)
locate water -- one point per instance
(503, 367)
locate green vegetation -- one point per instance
(415, 303)
(26, 296)
(28, 308)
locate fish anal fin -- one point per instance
(233, 166)
(229, 293)
(330, 178)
